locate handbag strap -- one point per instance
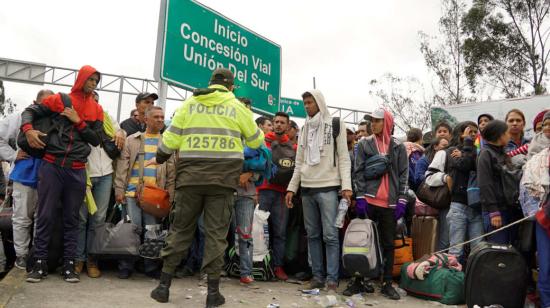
(141, 157)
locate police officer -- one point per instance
(207, 130)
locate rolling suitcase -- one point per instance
(424, 235)
(496, 275)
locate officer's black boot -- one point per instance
(162, 292)
(214, 297)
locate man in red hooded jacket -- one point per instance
(271, 193)
(62, 176)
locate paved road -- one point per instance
(109, 291)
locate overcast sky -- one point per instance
(344, 44)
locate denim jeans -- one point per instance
(463, 220)
(140, 218)
(101, 190)
(273, 202)
(242, 221)
(443, 230)
(507, 236)
(320, 210)
(543, 247)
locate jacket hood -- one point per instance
(213, 95)
(385, 137)
(272, 136)
(320, 100)
(83, 74)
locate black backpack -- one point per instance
(335, 134)
(284, 160)
(47, 125)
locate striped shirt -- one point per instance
(149, 172)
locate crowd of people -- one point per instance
(215, 164)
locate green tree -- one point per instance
(506, 44)
(444, 56)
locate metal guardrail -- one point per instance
(38, 73)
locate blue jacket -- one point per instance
(26, 172)
(420, 171)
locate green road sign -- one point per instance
(294, 107)
(197, 40)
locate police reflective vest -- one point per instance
(211, 124)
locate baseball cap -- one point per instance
(378, 113)
(143, 95)
(351, 129)
(222, 75)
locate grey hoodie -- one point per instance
(323, 174)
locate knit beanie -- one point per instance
(539, 118)
(490, 117)
(494, 130)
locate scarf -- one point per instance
(313, 139)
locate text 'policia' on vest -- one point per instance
(208, 131)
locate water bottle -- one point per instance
(342, 210)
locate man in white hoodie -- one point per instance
(322, 168)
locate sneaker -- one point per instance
(355, 286)
(91, 268)
(316, 284)
(78, 266)
(21, 262)
(280, 273)
(69, 273)
(39, 271)
(124, 273)
(248, 282)
(389, 292)
(369, 288)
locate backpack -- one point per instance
(46, 125)
(284, 160)
(261, 270)
(335, 134)
(361, 252)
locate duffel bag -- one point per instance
(443, 285)
(120, 239)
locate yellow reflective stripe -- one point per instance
(253, 137)
(210, 154)
(356, 250)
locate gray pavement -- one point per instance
(109, 291)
